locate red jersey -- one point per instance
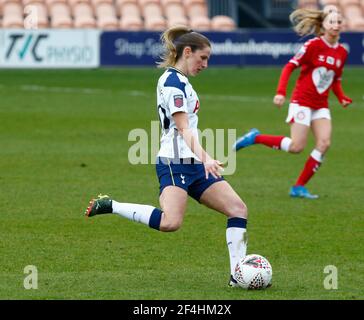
(321, 66)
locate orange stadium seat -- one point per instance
(83, 16)
(36, 15)
(353, 14)
(27, 2)
(130, 15)
(200, 23)
(131, 23)
(50, 3)
(345, 3)
(72, 3)
(196, 8)
(198, 14)
(95, 3)
(222, 23)
(106, 16)
(308, 4)
(60, 14)
(153, 15)
(329, 2)
(174, 12)
(13, 15)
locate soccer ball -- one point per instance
(253, 272)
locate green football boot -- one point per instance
(101, 205)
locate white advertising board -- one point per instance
(47, 48)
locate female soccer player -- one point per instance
(322, 61)
(184, 168)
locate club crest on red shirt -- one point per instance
(178, 100)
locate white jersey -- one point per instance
(175, 94)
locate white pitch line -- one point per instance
(235, 98)
(27, 87)
(139, 93)
(133, 93)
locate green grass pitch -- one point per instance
(64, 139)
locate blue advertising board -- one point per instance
(241, 48)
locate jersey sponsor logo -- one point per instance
(322, 79)
(330, 60)
(178, 100)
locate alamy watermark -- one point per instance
(331, 280)
(31, 278)
(217, 143)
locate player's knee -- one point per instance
(296, 147)
(323, 145)
(238, 209)
(170, 226)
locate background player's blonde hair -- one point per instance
(307, 21)
(175, 39)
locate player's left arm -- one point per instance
(337, 87)
(339, 92)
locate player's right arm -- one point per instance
(299, 58)
(281, 93)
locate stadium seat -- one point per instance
(356, 24)
(196, 11)
(106, 16)
(36, 15)
(131, 5)
(196, 8)
(352, 11)
(345, 3)
(95, 3)
(72, 3)
(329, 2)
(3, 2)
(13, 15)
(222, 23)
(83, 16)
(131, 24)
(200, 23)
(119, 3)
(50, 3)
(28, 2)
(308, 4)
(353, 15)
(153, 15)
(174, 12)
(130, 15)
(60, 15)
(154, 23)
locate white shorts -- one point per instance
(304, 115)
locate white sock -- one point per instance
(317, 155)
(236, 239)
(134, 212)
(285, 143)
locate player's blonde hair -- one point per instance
(308, 21)
(175, 39)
